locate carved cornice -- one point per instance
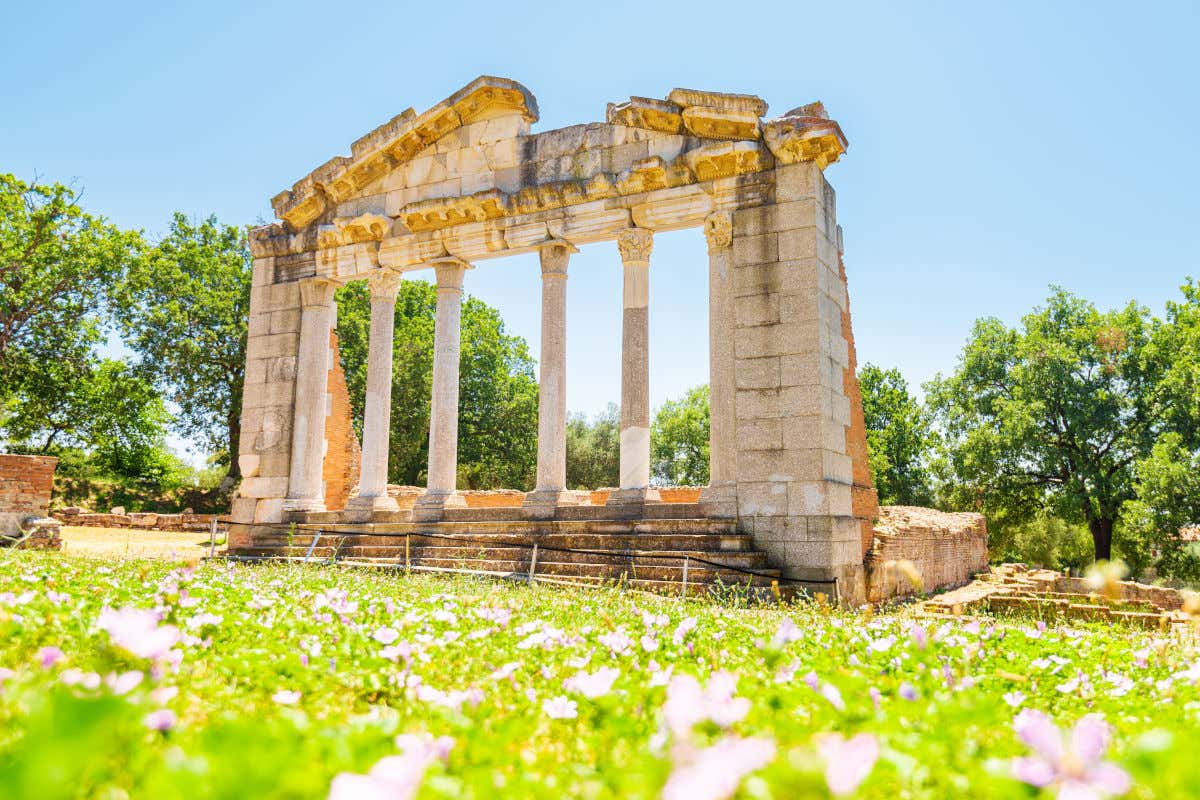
(644, 112)
(805, 134)
(725, 160)
(443, 212)
(635, 245)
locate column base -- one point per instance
(543, 503)
(631, 503)
(431, 506)
(720, 501)
(360, 507)
(304, 504)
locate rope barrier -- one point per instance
(318, 531)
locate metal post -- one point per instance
(406, 562)
(685, 576)
(312, 546)
(533, 563)
(212, 538)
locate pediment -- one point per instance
(473, 159)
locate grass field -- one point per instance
(144, 679)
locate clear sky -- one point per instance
(994, 149)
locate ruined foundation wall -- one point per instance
(945, 550)
(25, 486)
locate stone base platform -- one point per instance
(580, 546)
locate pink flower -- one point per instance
(386, 635)
(286, 697)
(785, 633)
(393, 777)
(617, 642)
(560, 708)
(687, 704)
(137, 631)
(847, 761)
(682, 630)
(164, 694)
(161, 720)
(1073, 762)
(124, 683)
(49, 656)
(716, 772)
(908, 691)
(1014, 698)
(595, 684)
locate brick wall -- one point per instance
(343, 455)
(864, 500)
(25, 486)
(945, 549)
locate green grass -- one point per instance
(955, 738)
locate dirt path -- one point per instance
(119, 543)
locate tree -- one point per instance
(109, 412)
(679, 439)
(498, 398)
(1053, 415)
(1167, 504)
(899, 438)
(57, 264)
(183, 309)
(594, 449)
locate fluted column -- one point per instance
(443, 420)
(552, 379)
(377, 416)
(306, 491)
(635, 245)
(719, 498)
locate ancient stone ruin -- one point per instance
(26, 483)
(466, 182)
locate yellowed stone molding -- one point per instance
(725, 160)
(718, 230)
(805, 134)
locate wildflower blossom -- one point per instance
(594, 684)
(847, 761)
(161, 720)
(286, 697)
(715, 773)
(393, 777)
(49, 656)
(560, 708)
(138, 632)
(1073, 763)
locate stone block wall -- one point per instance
(944, 549)
(25, 486)
(794, 472)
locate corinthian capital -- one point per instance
(718, 230)
(635, 244)
(384, 285)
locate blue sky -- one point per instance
(994, 149)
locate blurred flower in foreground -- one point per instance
(1073, 763)
(716, 772)
(847, 761)
(393, 777)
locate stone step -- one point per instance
(752, 560)
(583, 513)
(621, 542)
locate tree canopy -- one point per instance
(679, 440)
(1053, 414)
(183, 308)
(899, 438)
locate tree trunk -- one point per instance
(1102, 537)
(234, 421)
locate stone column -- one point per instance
(552, 378)
(377, 416)
(440, 491)
(719, 498)
(305, 487)
(635, 245)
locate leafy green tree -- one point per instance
(108, 412)
(594, 449)
(498, 399)
(679, 440)
(1052, 416)
(183, 309)
(57, 264)
(1167, 503)
(899, 438)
